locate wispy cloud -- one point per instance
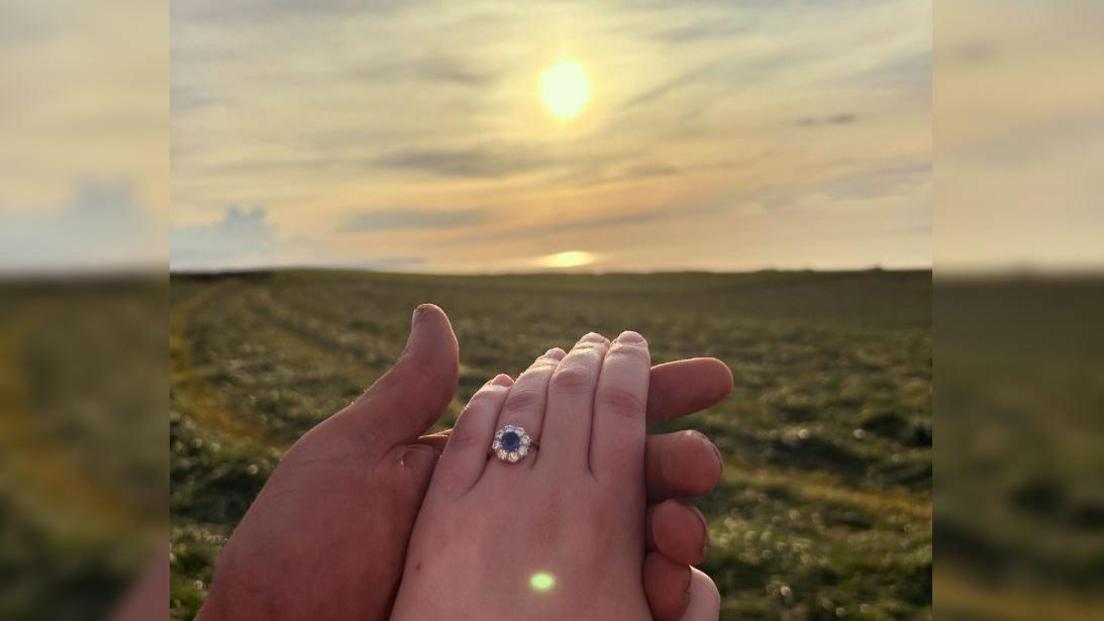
(414, 218)
(662, 89)
(489, 162)
(591, 223)
(842, 118)
(912, 69)
(274, 11)
(246, 237)
(439, 68)
(703, 30)
(707, 121)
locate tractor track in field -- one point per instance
(190, 385)
(814, 487)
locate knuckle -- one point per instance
(524, 399)
(587, 347)
(637, 353)
(570, 378)
(544, 362)
(620, 401)
(483, 398)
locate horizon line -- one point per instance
(536, 272)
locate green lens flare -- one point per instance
(542, 581)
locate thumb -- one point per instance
(414, 393)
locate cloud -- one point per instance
(184, 99)
(773, 6)
(905, 70)
(598, 171)
(724, 75)
(843, 118)
(636, 217)
(905, 179)
(701, 30)
(27, 23)
(245, 238)
(879, 182)
(243, 235)
(650, 169)
(392, 263)
(476, 162)
(298, 104)
(268, 11)
(675, 83)
(431, 69)
(414, 218)
(100, 226)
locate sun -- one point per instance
(565, 90)
(568, 259)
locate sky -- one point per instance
(84, 140)
(1019, 136)
(413, 135)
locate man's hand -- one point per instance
(326, 537)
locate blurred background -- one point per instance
(747, 139)
(84, 168)
(1019, 398)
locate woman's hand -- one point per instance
(327, 535)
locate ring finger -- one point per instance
(528, 396)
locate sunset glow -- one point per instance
(569, 259)
(656, 136)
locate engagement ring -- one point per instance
(511, 443)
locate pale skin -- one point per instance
(327, 536)
(559, 535)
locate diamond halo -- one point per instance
(511, 443)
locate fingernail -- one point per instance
(593, 337)
(705, 531)
(705, 439)
(628, 336)
(501, 380)
(555, 352)
(419, 456)
(717, 452)
(413, 331)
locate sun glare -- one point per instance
(542, 582)
(571, 258)
(565, 90)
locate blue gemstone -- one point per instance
(510, 440)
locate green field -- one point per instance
(825, 507)
(83, 469)
(1019, 533)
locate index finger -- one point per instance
(683, 387)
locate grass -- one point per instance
(83, 378)
(1020, 528)
(825, 507)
